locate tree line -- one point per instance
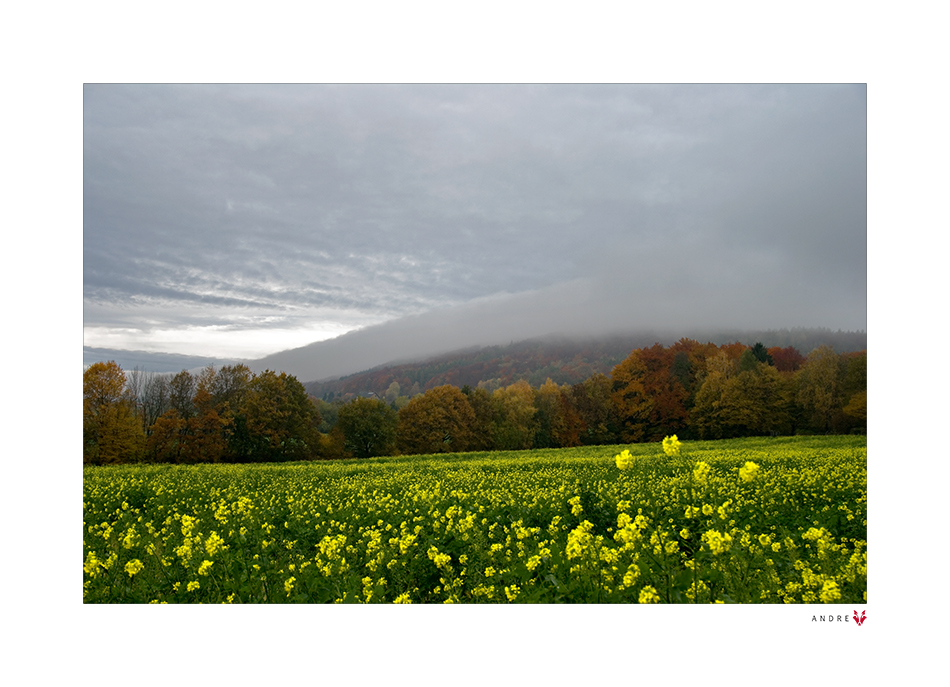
(701, 391)
(565, 361)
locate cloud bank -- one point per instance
(237, 221)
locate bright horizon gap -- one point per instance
(212, 341)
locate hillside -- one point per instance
(565, 361)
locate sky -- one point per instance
(236, 221)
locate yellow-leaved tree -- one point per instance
(111, 431)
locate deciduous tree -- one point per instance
(559, 424)
(112, 433)
(368, 426)
(280, 420)
(817, 388)
(514, 423)
(438, 421)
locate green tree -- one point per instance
(761, 353)
(368, 426)
(279, 420)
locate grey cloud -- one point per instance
(396, 200)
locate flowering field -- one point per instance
(738, 521)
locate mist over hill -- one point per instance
(576, 310)
(565, 360)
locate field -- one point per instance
(780, 520)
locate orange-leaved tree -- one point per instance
(438, 421)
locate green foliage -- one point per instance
(281, 420)
(369, 427)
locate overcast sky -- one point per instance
(238, 221)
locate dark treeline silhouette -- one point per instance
(694, 390)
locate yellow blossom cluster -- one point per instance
(501, 527)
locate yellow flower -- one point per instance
(624, 459)
(187, 525)
(648, 595)
(701, 472)
(829, 592)
(440, 559)
(718, 543)
(579, 539)
(671, 446)
(192, 586)
(134, 567)
(748, 471)
(512, 592)
(576, 507)
(204, 567)
(213, 543)
(289, 585)
(402, 599)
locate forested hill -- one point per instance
(564, 361)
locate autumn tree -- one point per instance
(854, 393)
(817, 388)
(514, 424)
(181, 393)
(559, 425)
(368, 426)
(704, 417)
(630, 397)
(438, 421)
(154, 400)
(650, 399)
(786, 359)
(480, 401)
(112, 433)
(755, 402)
(166, 440)
(592, 401)
(392, 392)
